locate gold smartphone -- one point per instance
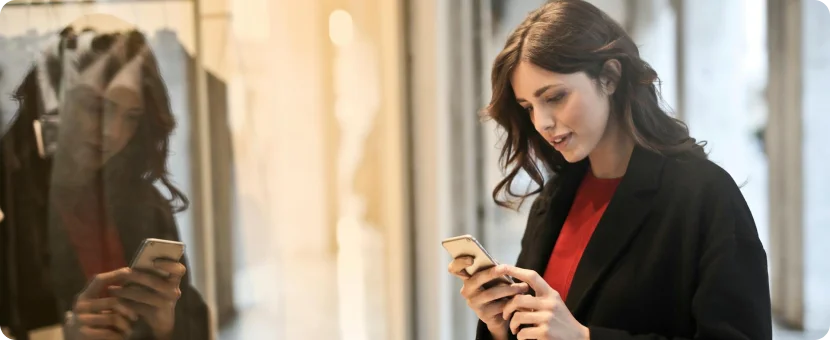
(466, 245)
(153, 249)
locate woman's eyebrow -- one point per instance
(540, 91)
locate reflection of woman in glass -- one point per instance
(86, 178)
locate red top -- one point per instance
(91, 233)
(590, 202)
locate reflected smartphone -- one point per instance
(153, 249)
(469, 246)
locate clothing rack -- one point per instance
(24, 3)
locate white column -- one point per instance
(798, 65)
(653, 28)
(430, 128)
(784, 149)
(816, 167)
(722, 61)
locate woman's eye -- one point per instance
(94, 109)
(556, 98)
(529, 109)
(134, 116)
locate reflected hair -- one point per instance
(143, 161)
(566, 37)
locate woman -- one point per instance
(634, 234)
(83, 162)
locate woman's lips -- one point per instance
(560, 142)
(97, 149)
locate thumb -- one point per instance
(531, 277)
(102, 281)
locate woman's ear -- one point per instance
(610, 75)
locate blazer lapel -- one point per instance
(618, 225)
(550, 216)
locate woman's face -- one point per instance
(568, 110)
(100, 119)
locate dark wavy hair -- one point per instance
(132, 172)
(570, 36)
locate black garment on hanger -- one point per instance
(27, 301)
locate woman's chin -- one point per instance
(573, 156)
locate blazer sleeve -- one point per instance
(192, 316)
(732, 298)
(482, 333)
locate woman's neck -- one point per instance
(72, 177)
(611, 155)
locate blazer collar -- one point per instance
(618, 225)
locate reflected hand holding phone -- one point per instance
(153, 249)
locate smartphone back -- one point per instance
(152, 249)
(468, 245)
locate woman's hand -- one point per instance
(99, 317)
(488, 304)
(154, 297)
(546, 315)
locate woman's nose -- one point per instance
(543, 121)
(112, 127)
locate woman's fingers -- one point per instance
(497, 293)
(526, 275)
(168, 288)
(102, 305)
(102, 281)
(91, 333)
(175, 268)
(492, 310)
(476, 281)
(538, 332)
(141, 308)
(129, 313)
(528, 318)
(105, 320)
(524, 303)
(458, 266)
(142, 295)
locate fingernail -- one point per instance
(468, 261)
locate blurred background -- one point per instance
(328, 146)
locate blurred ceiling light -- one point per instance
(341, 28)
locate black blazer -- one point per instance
(40, 275)
(676, 254)
(135, 222)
